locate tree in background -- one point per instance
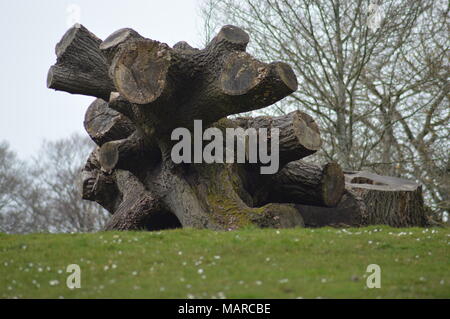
(44, 195)
(11, 182)
(380, 93)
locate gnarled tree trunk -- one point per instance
(146, 89)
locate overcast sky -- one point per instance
(29, 112)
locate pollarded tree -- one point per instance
(146, 91)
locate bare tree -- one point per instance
(10, 184)
(44, 195)
(57, 169)
(380, 94)
(21, 204)
(9, 181)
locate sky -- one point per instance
(29, 111)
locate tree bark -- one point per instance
(303, 183)
(112, 44)
(98, 186)
(371, 199)
(299, 135)
(103, 124)
(137, 205)
(81, 68)
(131, 153)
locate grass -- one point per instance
(250, 263)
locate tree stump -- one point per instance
(146, 89)
(371, 199)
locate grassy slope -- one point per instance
(251, 263)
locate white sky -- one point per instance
(29, 112)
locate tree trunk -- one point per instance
(371, 199)
(103, 124)
(81, 68)
(149, 89)
(302, 183)
(299, 133)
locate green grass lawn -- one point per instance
(250, 263)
